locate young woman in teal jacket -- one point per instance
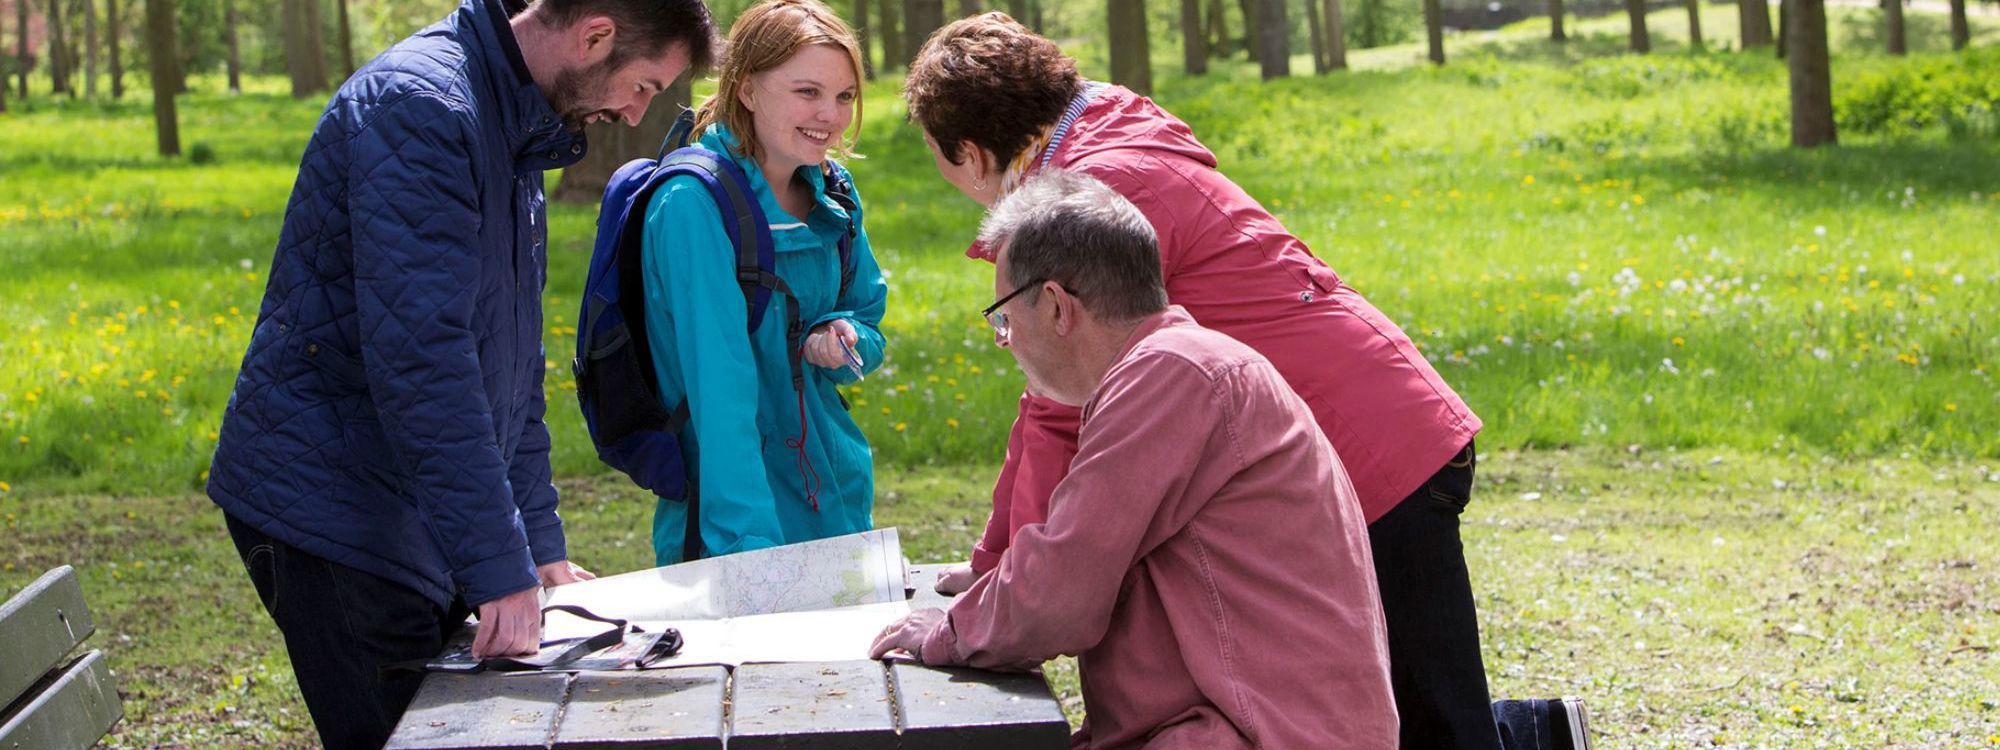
(770, 464)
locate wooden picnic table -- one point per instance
(855, 704)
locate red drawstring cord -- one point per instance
(806, 474)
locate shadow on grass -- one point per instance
(1937, 171)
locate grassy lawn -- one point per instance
(1743, 466)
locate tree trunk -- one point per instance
(1251, 46)
(1811, 75)
(1336, 37)
(1130, 59)
(115, 43)
(163, 52)
(1556, 21)
(1434, 30)
(968, 8)
(1960, 32)
(1194, 43)
(1784, 27)
(613, 144)
(1892, 27)
(892, 40)
(21, 47)
(1755, 22)
(1694, 23)
(58, 51)
(1274, 35)
(1018, 9)
(235, 51)
(920, 19)
(1317, 36)
(346, 43)
(1636, 11)
(90, 48)
(861, 38)
(316, 44)
(1218, 29)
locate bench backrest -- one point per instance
(48, 700)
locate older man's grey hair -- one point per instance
(1069, 228)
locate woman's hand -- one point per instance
(829, 344)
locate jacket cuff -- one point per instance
(940, 647)
(984, 560)
(496, 576)
(546, 542)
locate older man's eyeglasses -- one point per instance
(998, 319)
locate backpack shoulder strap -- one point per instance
(840, 187)
(742, 219)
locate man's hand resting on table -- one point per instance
(956, 579)
(512, 625)
(907, 634)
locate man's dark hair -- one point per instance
(645, 27)
(1068, 228)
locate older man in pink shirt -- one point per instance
(1191, 557)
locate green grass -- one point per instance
(1659, 310)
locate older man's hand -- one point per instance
(907, 634)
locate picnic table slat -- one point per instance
(665, 708)
(833, 704)
(75, 706)
(975, 709)
(40, 625)
(484, 711)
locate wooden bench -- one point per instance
(857, 704)
(52, 702)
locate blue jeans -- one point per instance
(1435, 669)
(340, 626)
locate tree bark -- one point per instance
(1754, 22)
(1556, 21)
(1194, 41)
(968, 8)
(1274, 35)
(1636, 11)
(1811, 74)
(1694, 23)
(316, 43)
(346, 43)
(90, 48)
(58, 51)
(861, 38)
(21, 47)
(892, 40)
(161, 48)
(613, 144)
(1317, 36)
(235, 51)
(114, 40)
(1892, 27)
(1784, 26)
(1434, 30)
(1018, 9)
(1218, 29)
(1961, 33)
(920, 19)
(1130, 59)
(1336, 37)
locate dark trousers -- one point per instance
(1435, 668)
(341, 625)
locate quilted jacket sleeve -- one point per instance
(415, 209)
(530, 475)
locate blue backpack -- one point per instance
(630, 424)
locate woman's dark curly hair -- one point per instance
(989, 80)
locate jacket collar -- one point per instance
(718, 138)
(533, 128)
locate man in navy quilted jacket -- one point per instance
(383, 464)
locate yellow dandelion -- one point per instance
(1678, 341)
(900, 426)
(139, 394)
(167, 412)
(5, 487)
(951, 422)
(22, 440)
(1527, 180)
(32, 398)
(174, 304)
(1950, 406)
(885, 411)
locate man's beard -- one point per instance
(578, 94)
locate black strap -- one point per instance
(577, 649)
